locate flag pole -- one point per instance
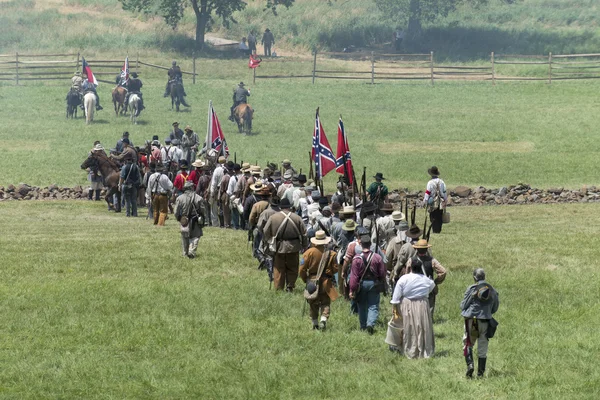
(208, 144)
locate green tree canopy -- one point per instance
(172, 11)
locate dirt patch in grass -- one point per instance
(457, 147)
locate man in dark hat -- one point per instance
(181, 177)
(240, 96)
(286, 235)
(127, 153)
(130, 182)
(378, 192)
(175, 75)
(435, 199)
(190, 214)
(235, 174)
(176, 133)
(267, 41)
(119, 146)
(406, 252)
(479, 304)
(134, 86)
(158, 191)
(368, 217)
(429, 266)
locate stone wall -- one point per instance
(458, 196)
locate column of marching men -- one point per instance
(350, 245)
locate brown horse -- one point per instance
(243, 115)
(118, 96)
(98, 160)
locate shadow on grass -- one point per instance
(441, 354)
(473, 43)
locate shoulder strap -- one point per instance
(368, 265)
(322, 264)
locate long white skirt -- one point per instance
(418, 328)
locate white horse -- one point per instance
(89, 104)
(134, 103)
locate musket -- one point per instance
(363, 183)
(235, 157)
(354, 188)
(311, 174)
(323, 227)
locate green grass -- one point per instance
(98, 306)
(477, 134)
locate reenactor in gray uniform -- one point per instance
(240, 96)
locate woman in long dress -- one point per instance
(411, 295)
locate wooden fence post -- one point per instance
(493, 71)
(77, 64)
(194, 67)
(372, 68)
(137, 61)
(314, 67)
(431, 64)
(17, 66)
(253, 75)
(549, 67)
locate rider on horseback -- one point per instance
(134, 86)
(88, 86)
(240, 96)
(175, 75)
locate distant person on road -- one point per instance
(479, 303)
(175, 76)
(267, 41)
(252, 42)
(240, 96)
(243, 47)
(398, 38)
(435, 199)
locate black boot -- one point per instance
(481, 367)
(98, 194)
(90, 194)
(469, 360)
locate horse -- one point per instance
(89, 104)
(118, 96)
(176, 89)
(134, 104)
(109, 169)
(243, 115)
(73, 102)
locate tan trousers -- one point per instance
(321, 303)
(285, 270)
(478, 334)
(189, 245)
(160, 208)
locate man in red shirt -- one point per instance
(181, 178)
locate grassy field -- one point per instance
(475, 133)
(97, 306)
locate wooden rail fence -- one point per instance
(373, 67)
(31, 67)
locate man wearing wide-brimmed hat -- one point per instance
(397, 241)
(287, 234)
(157, 193)
(435, 199)
(344, 239)
(401, 255)
(182, 177)
(378, 192)
(383, 230)
(431, 268)
(190, 214)
(479, 304)
(231, 192)
(317, 272)
(287, 168)
(176, 132)
(240, 96)
(213, 198)
(189, 144)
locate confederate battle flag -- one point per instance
(343, 161)
(125, 72)
(214, 136)
(85, 69)
(321, 150)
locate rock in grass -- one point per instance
(462, 191)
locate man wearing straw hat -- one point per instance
(405, 253)
(317, 272)
(395, 244)
(429, 265)
(287, 234)
(435, 199)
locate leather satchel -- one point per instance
(313, 286)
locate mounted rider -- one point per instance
(240, 96)
(88, 86)
(134, 86)
(175, 75)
